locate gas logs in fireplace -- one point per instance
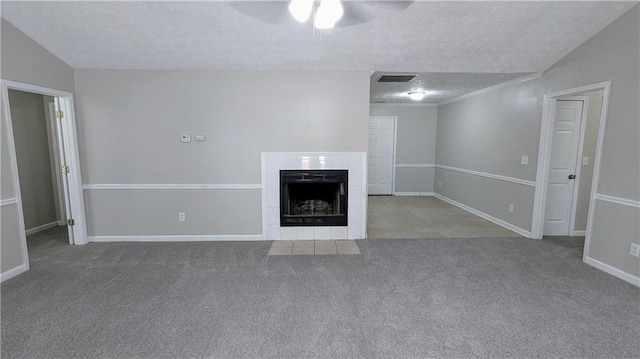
(313, 197)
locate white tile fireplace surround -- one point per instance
(354, 162)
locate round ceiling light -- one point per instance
(417, 95)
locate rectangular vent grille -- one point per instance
(396, 78)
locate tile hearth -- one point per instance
(310, 248)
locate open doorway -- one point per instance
(570, 146)
(44, 162)
(37, 155)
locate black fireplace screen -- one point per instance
(313, 197)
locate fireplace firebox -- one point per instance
(313, 197)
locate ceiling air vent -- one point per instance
(396, 78)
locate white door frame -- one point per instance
(71, 148)
(395, 139)
(544, 156)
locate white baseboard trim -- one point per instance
(41, 228)
(177, 238)
(498, 221)
(13, 272)
(629, 278)
(413, 193)
(579, 233)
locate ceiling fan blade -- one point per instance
(355, 12)
(360, 12)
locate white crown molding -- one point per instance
(492, 88)
(171, 186)
(415, 165)
(8, 201)
(489, 175)
(405, 104)
(488, 217)
(177, 238)
(617, 200)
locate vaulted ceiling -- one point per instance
(490, 41)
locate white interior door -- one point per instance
(62, 151)
(563, 161)
(56, 175)
(381, 147)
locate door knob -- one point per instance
(572, 176)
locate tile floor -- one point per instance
(392, 217)
(310, 248)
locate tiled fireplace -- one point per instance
(315, 165)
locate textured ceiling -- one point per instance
(424, 37)
(442, 85)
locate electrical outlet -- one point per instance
(511, 207)
(635, 250)
(439, 184)
(182, 217)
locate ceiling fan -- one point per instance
(331, 13)
(325, 15)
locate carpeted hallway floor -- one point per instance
(483, 297)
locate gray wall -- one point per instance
(23, 60)
(129, 128)
(490, 132)
(594, 111)
(34, 163)
(415, 144)
(11, 255)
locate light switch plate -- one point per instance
(201, 138)
(635, 250)
(524, 160)
(585, 161)
(185, 138)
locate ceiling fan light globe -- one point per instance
(300, 9)
(417, 95)
(322, 20)
(333, 9)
